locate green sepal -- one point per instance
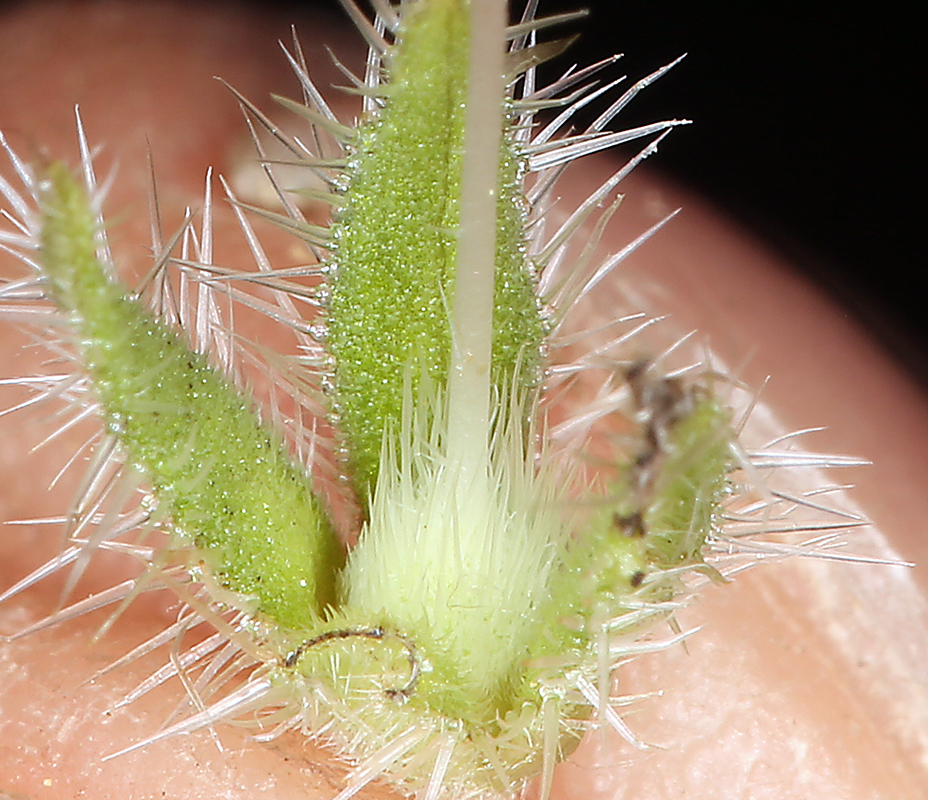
(222, 478)
(394, 241)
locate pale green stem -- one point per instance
(472, 312)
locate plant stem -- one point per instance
(472, 313)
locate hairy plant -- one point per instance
(469, 638)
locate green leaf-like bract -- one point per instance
(220, 475)
(394, 244)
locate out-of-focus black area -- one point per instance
(805, 128)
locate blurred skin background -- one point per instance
(802, 684)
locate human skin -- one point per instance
(806, 679)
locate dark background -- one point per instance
(805, 128)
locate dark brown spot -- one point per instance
(631, 525)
